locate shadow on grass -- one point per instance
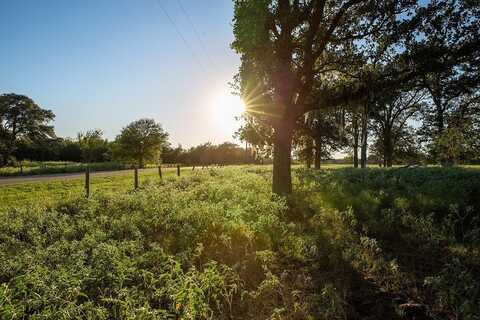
(416, 235)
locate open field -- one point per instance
(53, 167)
(58, 187)
(19, 191)
(216, 244)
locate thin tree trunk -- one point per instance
(388, 148)
(309, 153)
(318, 153)
(355, 141)
(389, 155)
(440, 118)
(364, 147)
(282, 149)
(363, 160)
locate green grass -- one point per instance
(37, 168)
(216, 244)
(48, 193)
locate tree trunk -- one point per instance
(389, 156)
(3, 160)
(440, 118)
(355, 141)
(363, 160)
(388, 148)
(5, 157)
(309, 153)
(282, 158)
(318, 153)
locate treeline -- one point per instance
(68, 149)
(208, 154)
(26, 134)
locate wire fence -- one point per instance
(38, 168)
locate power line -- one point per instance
(197, 34)
(177, 30)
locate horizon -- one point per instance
(75, 59)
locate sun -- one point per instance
(227, 107)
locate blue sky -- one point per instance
(104, 63)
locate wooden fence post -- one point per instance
(136, 177)
(87, 182)
(160, 171)
(178, 170)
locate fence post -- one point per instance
(136, 177)
(87, 182)
(160, 171)
(178, 170)
(21, 168)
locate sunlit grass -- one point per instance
(49, 192)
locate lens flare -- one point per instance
(226, 107)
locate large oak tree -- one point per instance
(291, 52)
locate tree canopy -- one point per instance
(297, 56)
(21, 119)
(141, 141)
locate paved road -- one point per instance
(8, 181)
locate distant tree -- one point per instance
(93, 146)
(326, 130)
(258, 134)
(450, 146)
(390, 120)
(171, 155)
(21, 119)
(207, 154)
(447, 57)
(70, 150)
(43, 150)
(141, 141)
(303, 147)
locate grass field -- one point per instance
(52, 167)
(48, 193)
(216, 244)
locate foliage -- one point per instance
(218, 245)
(21, 119)
(223, 154)
(449, 146)
(141, 141)
(300, 56)
(93, 146)
(423, 222)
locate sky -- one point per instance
(100, 64)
